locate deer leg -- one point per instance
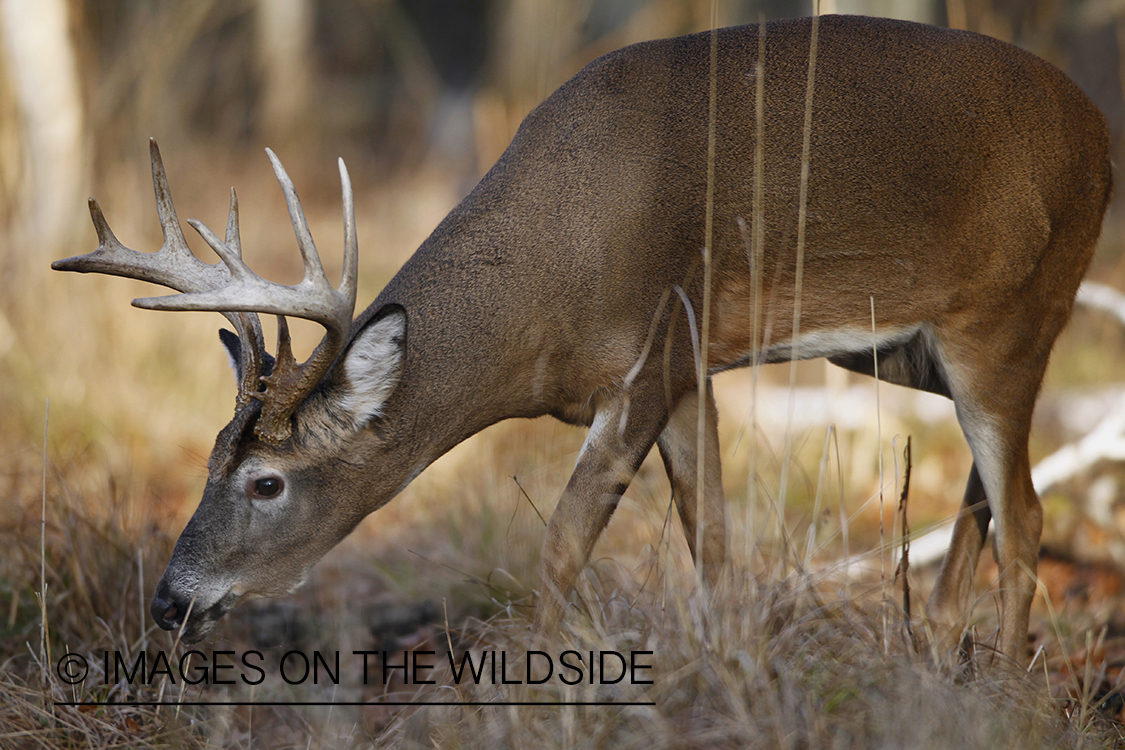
(607, 463)
(994, 402)
(678, 448)
(953, 591)
(1018, 519)
(913, 364)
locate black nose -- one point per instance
(167, 609)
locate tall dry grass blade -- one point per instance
(879, 443)
(1038, 653)
(449, 642)
(693, 326)
(529, 502)
(798, 280)
(810, 538)
(1054, 620)
(757, 252)
(754, 246)
(141, 597)
(175, 645)
(844, 564)
(669, 332)
(895, 472)
(903, 568)
(705, 325)
(754, 263)
(844, 538)
(1090, 682)
(635, 370)
(44, 645)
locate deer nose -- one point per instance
(167, 609)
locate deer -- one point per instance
(928, 199)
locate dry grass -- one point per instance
(768, 661)
(779, 665)
(775, 659)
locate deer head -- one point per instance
(262, 523)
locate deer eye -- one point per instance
(264, 488)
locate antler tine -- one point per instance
(313, 299)
(173, 265)
(290, 382)
(350, 276)
(233, 289)
(235, 244)
(233, 240)
(311, 258)
(174, 239)
(248, 325)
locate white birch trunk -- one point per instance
(40, 61)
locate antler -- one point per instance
(174, 266)
(237, 292)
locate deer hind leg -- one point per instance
(994, 391)
(678, 449)
(953, 592)
(914, 364)
(607, 463)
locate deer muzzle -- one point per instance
(176, 608)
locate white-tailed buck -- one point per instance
(954, 182)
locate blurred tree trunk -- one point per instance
(39, 58)
(284, 34)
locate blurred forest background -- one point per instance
(394, 86)
(419, 97)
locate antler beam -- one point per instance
(233, 289)
(174, 266)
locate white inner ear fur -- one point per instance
(231, 356)
(372, 367)
(234, 365)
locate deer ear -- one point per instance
(233, 346)
(372, 365)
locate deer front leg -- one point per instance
(679, 449)
(607, 463)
